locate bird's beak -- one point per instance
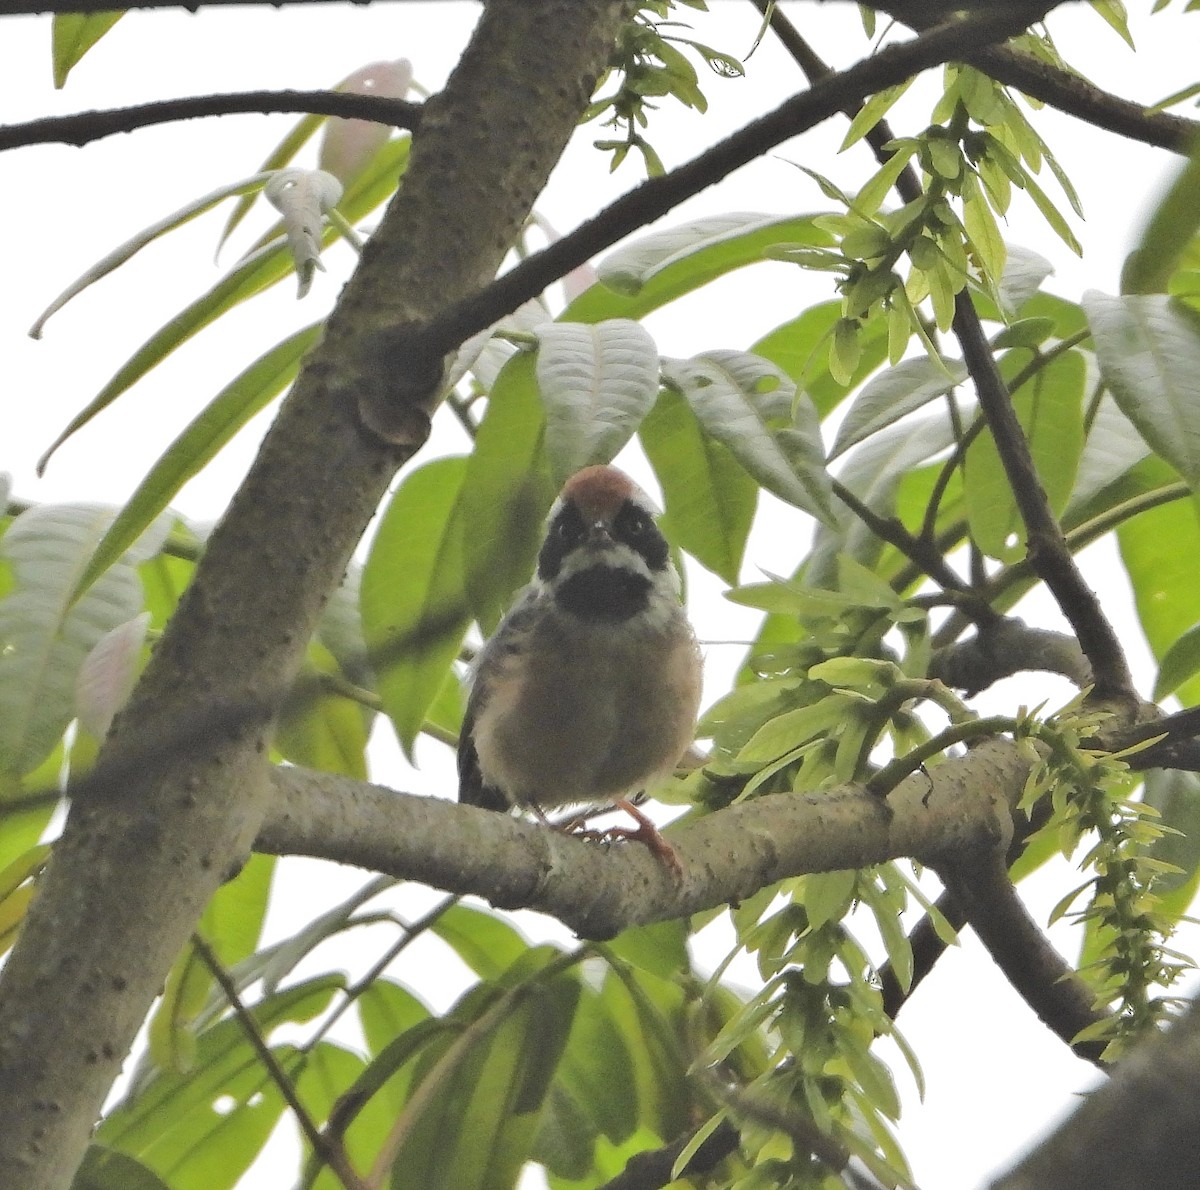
(600, 531)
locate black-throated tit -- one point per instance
(589, 688)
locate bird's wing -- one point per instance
(509, 640)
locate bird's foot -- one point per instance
(645, 833)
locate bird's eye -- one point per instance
(637, 523)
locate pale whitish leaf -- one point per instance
(747, 403)
(597, 383)
(1112, 447)
(119, 255)
(628, 269)
(483, 354)
(302, 197)
(348, 146)
(107, 675)
(43, 637)
(895, 393)
(1149, 353)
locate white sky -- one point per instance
(995, 1077)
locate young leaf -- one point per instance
(73, 34)
(1168, 231)
(872, 112)
(597, 381)
(414, 600)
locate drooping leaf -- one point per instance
(1024, 272)
(44, 638)
(414, 599)
(488, 945)
(597, 382)
(893, 394)
(663, 266)
(506, 494)
(126, 251)
(73, 34)
(710, 498)
(256, 273)
(750, 406)
(1170, 228)
(1149, 354)
(323, 729)
(107, 1169)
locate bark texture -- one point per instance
(143, 852)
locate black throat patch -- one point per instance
(606, 593)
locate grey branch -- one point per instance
(598, 891)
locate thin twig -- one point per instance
(332, 1154)
(84, 127)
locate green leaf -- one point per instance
(198, 445)
(414, 600)
(710, 499)
(201, 1130)
(1050, 408)
(488, 945)
(661, 948)
(44, 638)
(1149, 354)
(73, 34)
(1112, 449)
(1168, 232)
(795, 727)
(663, 266)
(1176, 797)
(324, 731)
(253, 275)
(107, 1169)
(1113, 12)
(1158, 549)
(895, 393)
(872, 112)
(794, 347)
(742, 401)
(1181, 662)
(506, 493)
(597, 381)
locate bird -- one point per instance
(588, 690)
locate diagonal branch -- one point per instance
(1048, 553)
(418, 349)
(84, 127)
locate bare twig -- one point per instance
(84, 127)
(331, 1153)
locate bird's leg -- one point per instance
(645, 833)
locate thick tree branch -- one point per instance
(419, 349)
(1043, 978)
(1005, 647)
(84, 127)
(598, 891)
(1048, 553)
(140, 858)
(1140, 1129)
